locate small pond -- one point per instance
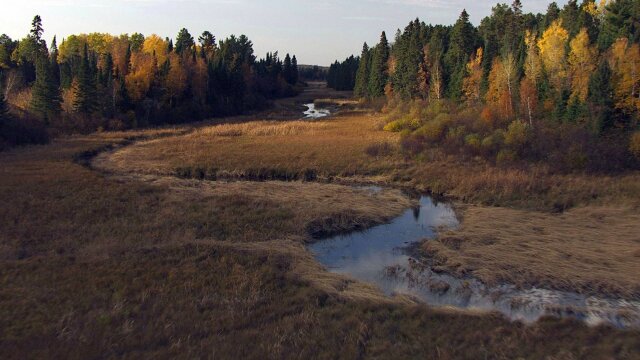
(382, 256)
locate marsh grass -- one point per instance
(263, 128)
(590, 250)
(111, 255)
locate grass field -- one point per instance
(123, 259)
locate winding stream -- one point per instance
(382, 256)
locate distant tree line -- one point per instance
(574, 71)
(313, 73)
(96, 80)
(342, 75)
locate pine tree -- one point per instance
(86, 100)
(379, 72)
(361, 88)
(45, 94)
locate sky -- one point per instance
(316, 31)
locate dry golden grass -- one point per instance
(593, 249)
(333, 147)
(531, 188)
(263, 128)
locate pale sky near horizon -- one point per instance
(318, 32)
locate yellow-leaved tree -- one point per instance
(154, 44)
(625, 63)
(176, 80)
(139, 79)
(582, 63)
(501, 83)
(552, 47)
(532, 64)
(471, 84)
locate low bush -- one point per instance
(380, 149)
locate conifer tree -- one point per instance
(207, 44)
(288, 69)
(601, 97)
(379, 72)
(184, 42)
(461, 46)
(45, 94)
(86, 100)
(361, 88)
(37, 30)
(55, 67)
(295, 74)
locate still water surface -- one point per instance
(382, 256)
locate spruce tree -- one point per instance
(207, 43)
(361, 88)
(55, 67)
(86, 98)
(127, 59)
(601, 98)
(37, 30)
(295, 74)
(169, 44)
(184, 42)
(378, 77)
(462, 44)
(45, 94)
(288, 70)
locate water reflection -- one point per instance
(381, 256)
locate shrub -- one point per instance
(576, 159)
(516, 135)
(394, 126)
(431, 131)
(473, 142)
(456, 133)
(506, 156)
(434, 130)
(381, 149)
(412, 144)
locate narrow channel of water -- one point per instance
(381, 255)
(313, 113)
